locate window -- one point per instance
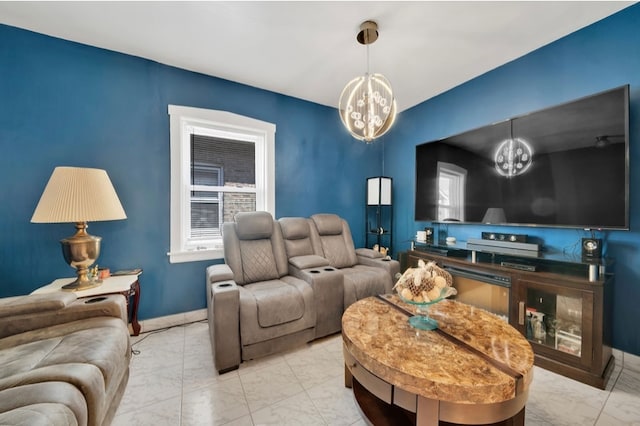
(221, 164)
(451, 187)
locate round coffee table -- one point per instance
(474, 369)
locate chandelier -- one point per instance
(367, 106)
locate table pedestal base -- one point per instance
(379, 413)
(430, 412)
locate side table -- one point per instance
(127, 285)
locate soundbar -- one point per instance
(503, 244)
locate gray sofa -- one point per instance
(284, 283)
(65, 361)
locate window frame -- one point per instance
(185, 121)
(458, 176)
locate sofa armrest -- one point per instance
(327, 283)
(223, 313)
(27, 317)
(308, 261)
(35, 303)
(369, 253)
(219, 272)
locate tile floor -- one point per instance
(173, 382)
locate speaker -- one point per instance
(591, 248)
(512, 238)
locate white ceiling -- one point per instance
(308, 49)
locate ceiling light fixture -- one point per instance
(367, 106)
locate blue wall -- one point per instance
(64, 103)
(600, 57)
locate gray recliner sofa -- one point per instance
(285, 283)
(64, 361)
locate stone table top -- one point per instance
(474, 357)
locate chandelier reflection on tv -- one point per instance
(513, 157)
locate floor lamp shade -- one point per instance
(79, 195)
(379, 191)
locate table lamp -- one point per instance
(79, 195)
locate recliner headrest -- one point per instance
(327, 224)
(254, 225)
(294, 228)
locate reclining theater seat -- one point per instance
(254, 307)
(366, 272)
(327, 282)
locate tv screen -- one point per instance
(566, 166)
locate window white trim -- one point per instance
(184, 121)
(457, 176)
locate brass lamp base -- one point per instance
(81, 251)
(78, 285)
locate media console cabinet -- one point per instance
(558, 303)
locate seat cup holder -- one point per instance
(329, 269)
(314, 271)
(95, 299)
(223, 285)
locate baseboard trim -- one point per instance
(167, 321)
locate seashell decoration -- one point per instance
(425, 283)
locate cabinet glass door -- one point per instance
(554, 320)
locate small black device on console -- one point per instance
(518, 266)
(591, 248)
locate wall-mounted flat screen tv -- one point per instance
(565, 166)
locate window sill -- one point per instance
(195, 255)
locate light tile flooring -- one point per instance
(173, 382)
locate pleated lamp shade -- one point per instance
(75, 194)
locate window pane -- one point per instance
(234, 161)
(205, 220)
(235, 202)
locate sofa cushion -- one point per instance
(296, 234)
(327, 224)
(45, 414)
(278, 302)
(92, 354)
(364, 281)
(45, 403)
(337, 252)
(254, 225)
(258, 261)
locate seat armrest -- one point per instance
(73, 310)
(223, 313)
(369, 253)
(35, 303)
(219, 272)
(327, 283)
(308, 261)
